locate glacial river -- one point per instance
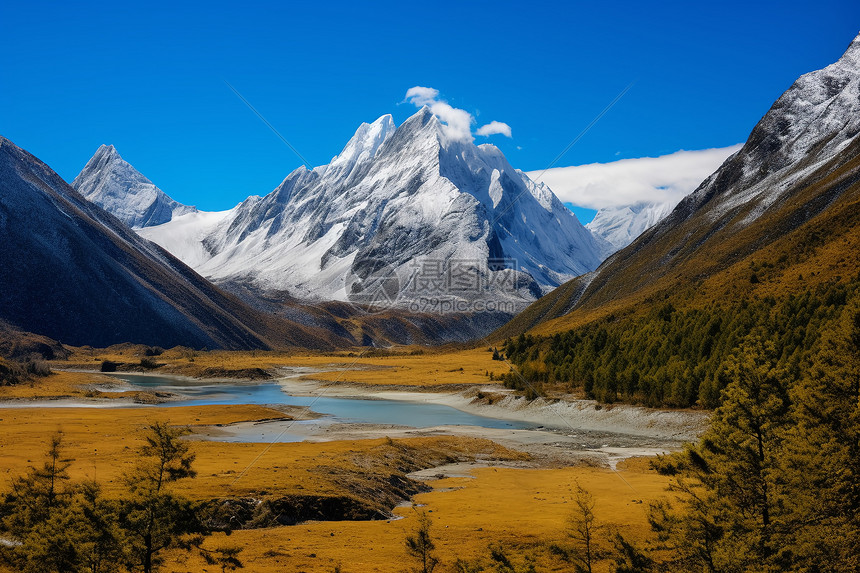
(347, 410)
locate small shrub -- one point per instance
(37, 368)
(108, 366)
(532, 393)
(10, 373)
(148, 363)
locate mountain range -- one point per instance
(411, 212)
(619, 226)
(72, 271)
(439, 215)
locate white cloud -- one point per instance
(663, 179)
(458, 122)
(421, 95)
(493, 128)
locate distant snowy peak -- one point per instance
(408, 198)
(619, 226)
(113, 184)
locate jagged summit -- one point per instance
(105, 153)
(364, 144)
(399, 197)
(112, 183)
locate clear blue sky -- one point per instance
(149, 78)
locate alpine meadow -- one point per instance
(617, 332)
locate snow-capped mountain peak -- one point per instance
(619, 226)
(365, 143)
(113, 184)
(405, 198)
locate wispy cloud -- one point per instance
(458, 122)
(663, 179)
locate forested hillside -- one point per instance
(674, 354)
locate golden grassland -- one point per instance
(460, 367)
(70, 385)
(403, 366)
(101, 440)
(523, 509)
(104, 441)
(61, 385)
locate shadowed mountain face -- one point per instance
(73, 272)
(788, 198)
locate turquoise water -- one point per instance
(348, 410)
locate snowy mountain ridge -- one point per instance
(73, 272)
(817, 117)
(813, 121)
(408, 199)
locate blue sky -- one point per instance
(150, 80)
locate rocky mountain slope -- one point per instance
(409, 208)
(114, 185)
(780, 214)
(71, 271)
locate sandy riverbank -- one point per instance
(546, 447)
(567, 416)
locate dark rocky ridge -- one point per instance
(71, 271)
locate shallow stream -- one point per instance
(414, 414)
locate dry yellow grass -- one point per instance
(101, 440)
(522, 509)
(71, 385)
(57, 385)
(430, 368)
(104, 440)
